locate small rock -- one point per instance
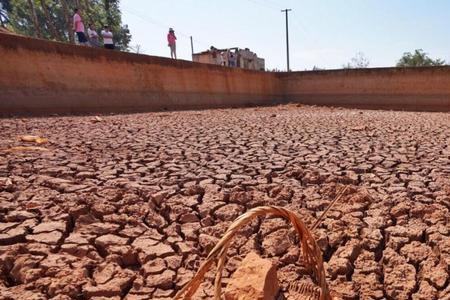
(155, 266)
(105, 241)
(399, 276)
(207, 242)
(425, 292)
(24, 267)
(13, 236)
(277, 243)
(338, 266)
(229, 212)
(49, 227)
(255, 279)
(416, 252)
(164, 280)
(152, 252)
(51, 238)
(112, 282)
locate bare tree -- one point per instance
(139, 49)
(359, 61)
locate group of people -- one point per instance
(107, 35)
(93, 37)
(226, 58)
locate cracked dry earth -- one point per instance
(127, 208)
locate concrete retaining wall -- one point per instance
(380, 88)
(39, 77)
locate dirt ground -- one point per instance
(127, 208)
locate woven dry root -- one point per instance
(311, 252)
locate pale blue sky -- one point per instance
(323, 33)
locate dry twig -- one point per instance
(310, 250)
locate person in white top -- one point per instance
(93, 36)
(224, 58)
(107, 38)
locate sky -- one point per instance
(322, 33)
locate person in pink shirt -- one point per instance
(78, 27)
(171, 39)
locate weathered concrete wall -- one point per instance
(41, 77)
(388, 88)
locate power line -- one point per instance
(260, 4)
(272, 4)
(308, 34)
(269, 5)
(161, 25)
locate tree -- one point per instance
(49, 21)
(37, 27)
(52, 19)
(68, 21)
(418, 59)
(5, 7)
(359, 61)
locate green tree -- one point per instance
(52, 19)
(5, 7)
(418, 59)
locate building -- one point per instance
(245, 58)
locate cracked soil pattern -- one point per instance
(128, 207)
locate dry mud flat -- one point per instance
(127, 208)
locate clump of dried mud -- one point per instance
(128, 207)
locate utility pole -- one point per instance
(287, 36)
(192, 49)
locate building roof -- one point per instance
(219, 50)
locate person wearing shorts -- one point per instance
(78, 27)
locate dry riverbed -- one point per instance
(128, 206)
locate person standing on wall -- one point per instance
(93, 36)
(78, 27)
(107, 38)
(172, 41)
(232, 60)
(224, 58)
